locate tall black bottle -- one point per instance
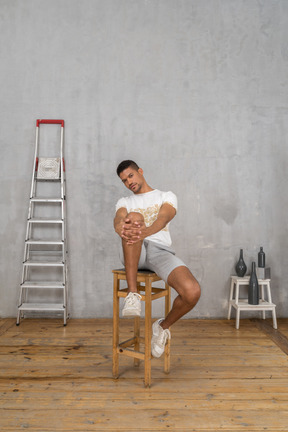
(261, 258)
(253, 289)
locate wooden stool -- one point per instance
(243, 305)
(148, 293)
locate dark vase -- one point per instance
(253, 289)
(241, 267)
(261, 258)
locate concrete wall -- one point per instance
(194, 90)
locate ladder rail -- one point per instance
(33, 185)
(31, 203)
(62, 165)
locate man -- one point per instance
(142, 221)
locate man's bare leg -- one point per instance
(182, 280)
(188, 289)
(132, 254)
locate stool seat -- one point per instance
(131, 347)
(265, 302)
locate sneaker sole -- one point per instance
(131, 314)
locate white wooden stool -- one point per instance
(148, 293)
(243, 305)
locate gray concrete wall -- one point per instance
(194, 90)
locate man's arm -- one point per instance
(132, 235)
(119, 220)
(165, 215)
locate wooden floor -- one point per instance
(55, 378)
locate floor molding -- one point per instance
(275, 335)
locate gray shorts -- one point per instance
(158, 258)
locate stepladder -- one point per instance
(44, 280)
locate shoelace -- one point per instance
(131, 298)
(163, 338)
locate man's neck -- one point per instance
(145, 188)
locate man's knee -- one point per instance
(192, 292)
(135, 217)
(185, 284)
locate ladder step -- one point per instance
(45, 200)
(42, 307)
(45, 242)
(45, 220)
(43, 263)
(46, 284)
(47, 179)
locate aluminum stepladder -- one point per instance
(43, 285)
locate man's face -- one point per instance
(132, 179)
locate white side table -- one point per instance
(265, 303)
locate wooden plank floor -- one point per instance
(55, 378)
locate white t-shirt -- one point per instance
(149, 204)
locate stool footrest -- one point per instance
(131, 342)
(244, 305)
(128, 342)
(161, 293)
(155, 293)
(131, 353)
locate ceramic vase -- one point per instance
(241, 267)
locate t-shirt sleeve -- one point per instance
(170, 198)
(121, 203)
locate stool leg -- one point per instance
(137, 332)
(148, 333)
(230, 299)
(115, 327)
(274, 319)
(237, 292)
(137, 336)
(269, 292)
(270, 301)
(262, 298)
(237, 318)
(167, 348)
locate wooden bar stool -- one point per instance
(131, 347)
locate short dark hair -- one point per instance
(126, 164)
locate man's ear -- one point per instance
(140, 170)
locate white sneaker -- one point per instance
(159, 339)
(132, 305)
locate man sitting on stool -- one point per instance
(142, 221)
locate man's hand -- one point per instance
(133, 232)
(132, 229)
